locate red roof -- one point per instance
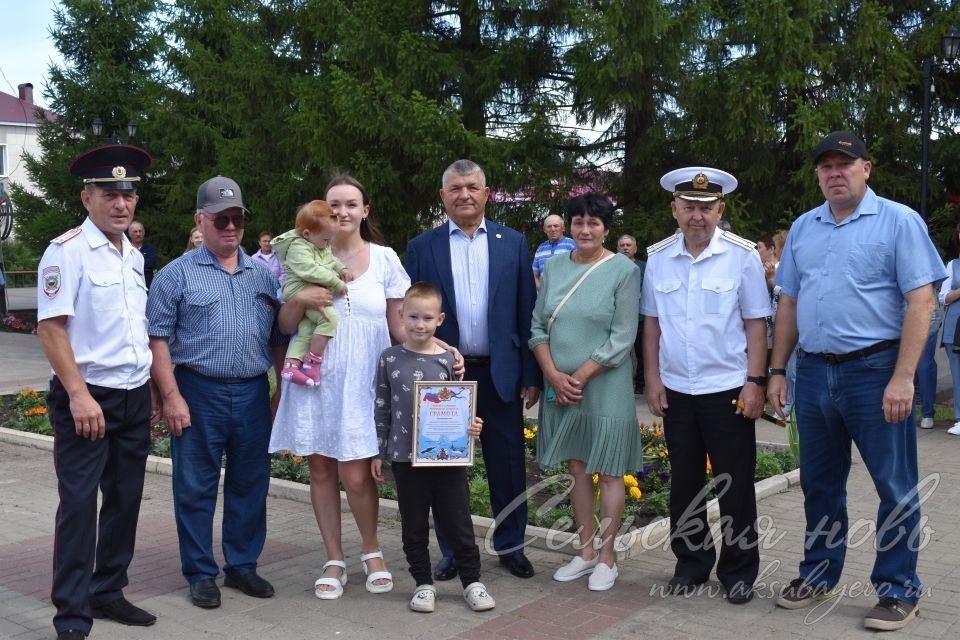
(13, 109)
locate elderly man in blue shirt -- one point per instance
(856, 275)
(212, 314)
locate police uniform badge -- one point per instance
(51, 281)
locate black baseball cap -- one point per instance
(844, 142)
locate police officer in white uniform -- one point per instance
(91, 306)
(705, 348)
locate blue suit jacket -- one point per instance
(512, 293)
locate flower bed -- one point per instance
(19, 322)
(648, 489)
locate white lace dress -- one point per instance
(335, 419)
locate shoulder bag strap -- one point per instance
(563, 301)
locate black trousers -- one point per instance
(504, 457)
(90, 563)
(446, 489)
(697, 426)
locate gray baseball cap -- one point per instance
(219, 194)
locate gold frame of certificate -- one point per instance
(442, 411)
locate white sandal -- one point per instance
(477, 597)
(376, 575)
(423, 599)
(336, 583)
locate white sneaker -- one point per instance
(926, 423)
(955, 429)
(603, 577)
(477, 597)
(574, 569)
(423, 599)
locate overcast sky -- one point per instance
(26, 50)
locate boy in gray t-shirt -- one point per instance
(420, 358)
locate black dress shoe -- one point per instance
(251, 584)
(446, 569)
(124, 612)
(684, 585)
(739, 593)
(205, 594)
(71, 634)
(518, 564)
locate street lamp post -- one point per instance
(6, 224)
(951, 45)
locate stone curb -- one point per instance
(628, 545)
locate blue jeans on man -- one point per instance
(229, 416)
(837, 403)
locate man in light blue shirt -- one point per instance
(555, 243)
(856, 275)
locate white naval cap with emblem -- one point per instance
(699, 184)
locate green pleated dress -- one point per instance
(599, 321)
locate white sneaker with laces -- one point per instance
(955, 429)
(926, 423)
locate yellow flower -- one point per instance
(596, 478)
(528, 434)
(657, 433)
(635, 493)
(663, 454)
(630, 481)
(297, 459)
(35, 411)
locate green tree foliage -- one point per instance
(282, 94)
(110, 52)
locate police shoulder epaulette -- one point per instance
(663, 244)
(62, 238)
(737, 240)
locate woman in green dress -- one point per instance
(584, 325)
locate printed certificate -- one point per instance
(442, 412)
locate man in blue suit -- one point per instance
(483, 270)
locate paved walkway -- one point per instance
(527, 609)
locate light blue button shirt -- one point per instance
(849, 278)
(470, 263)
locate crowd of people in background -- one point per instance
(834, 319)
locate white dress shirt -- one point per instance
(701, 304)
(470, 263)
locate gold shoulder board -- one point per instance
(737, 240)
(62, 238)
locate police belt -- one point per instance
(835, 358)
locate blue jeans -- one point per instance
(233, 417)
(954, 359)
(927, 376)
(837, 404)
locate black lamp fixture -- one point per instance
(951, 49)
(98, 130)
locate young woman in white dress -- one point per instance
(332, 424)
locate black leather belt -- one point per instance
(476, 361)
(834, 358)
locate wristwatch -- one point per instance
(758, 380)
(777, 372)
